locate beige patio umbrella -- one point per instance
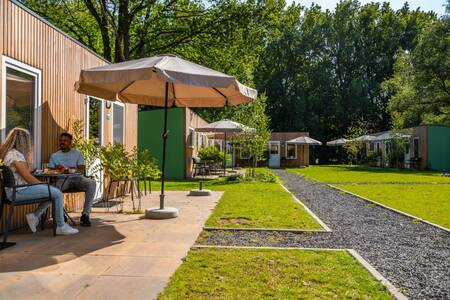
(304, 140)
(225, 127)
(338, 142)
(164, 80)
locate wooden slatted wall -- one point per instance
(30, 40)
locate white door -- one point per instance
(274, 154)
(94, 130)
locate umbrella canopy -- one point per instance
(390, 135)
(304, 140)
(338, 142)
(142, 81)
(224, 126)
(164, 80)
(364, 138)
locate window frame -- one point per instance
(286, 151)
(8, 62)
(112, 122)
(416, 138)
(191, 138)
(102, 116)
(244, 156)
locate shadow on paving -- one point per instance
(414, 256)
(36, 251)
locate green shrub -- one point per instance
(116, 162)
(211, 153)
(143, 165)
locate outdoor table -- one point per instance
(52, 178)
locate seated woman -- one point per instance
(15, 152)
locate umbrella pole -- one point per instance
(225, 154)
(164, 137)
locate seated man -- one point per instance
(72, 158)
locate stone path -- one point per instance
(413, 256)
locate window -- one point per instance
(21, 100)
(416, 151)
(371, 146)
(274, 148)
(244, 154)
(387, 147)
(378, 148)
(118, 123)
(291, 151)
(202, 140)
(94, 120)
(191, 138)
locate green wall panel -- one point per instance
(439, 147)
(150, 126)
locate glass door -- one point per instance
(94, 131)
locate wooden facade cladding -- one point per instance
(29, 39)
(192, 120)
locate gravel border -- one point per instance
(414, 256)
(390, 208)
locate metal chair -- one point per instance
(7, 180)
(199, 166)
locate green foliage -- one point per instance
(420, 86)
(211, 153)
(88, 148)
(324, 72)
(354, 148)
(116, 162)
(397, 148)
(143, 165)
(253, 175)
(254, 139)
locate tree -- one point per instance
(254, 140)
(420, 87)
(324, 72)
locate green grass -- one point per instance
(211, 273)
(429, 200)
(356, 174)
(426, 201)
(250, 205)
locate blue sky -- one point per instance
(426, 5)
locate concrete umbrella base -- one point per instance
(200, 193)
(159, 214)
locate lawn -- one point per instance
(426, 201)
(251, 205)
(359, 174)
(212, 273)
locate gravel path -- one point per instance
(414, 256)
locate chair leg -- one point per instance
(68, 217)
(8, 225)
(43, 219)
(54, 218)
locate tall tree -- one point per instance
(420, 87)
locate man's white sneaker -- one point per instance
(66, 230)
(32, 221)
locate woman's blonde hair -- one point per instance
(19, 139)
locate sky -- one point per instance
(426, 5)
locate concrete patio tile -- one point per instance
(143, 266)
(122, 256)
(45, 286)
(123, 287)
